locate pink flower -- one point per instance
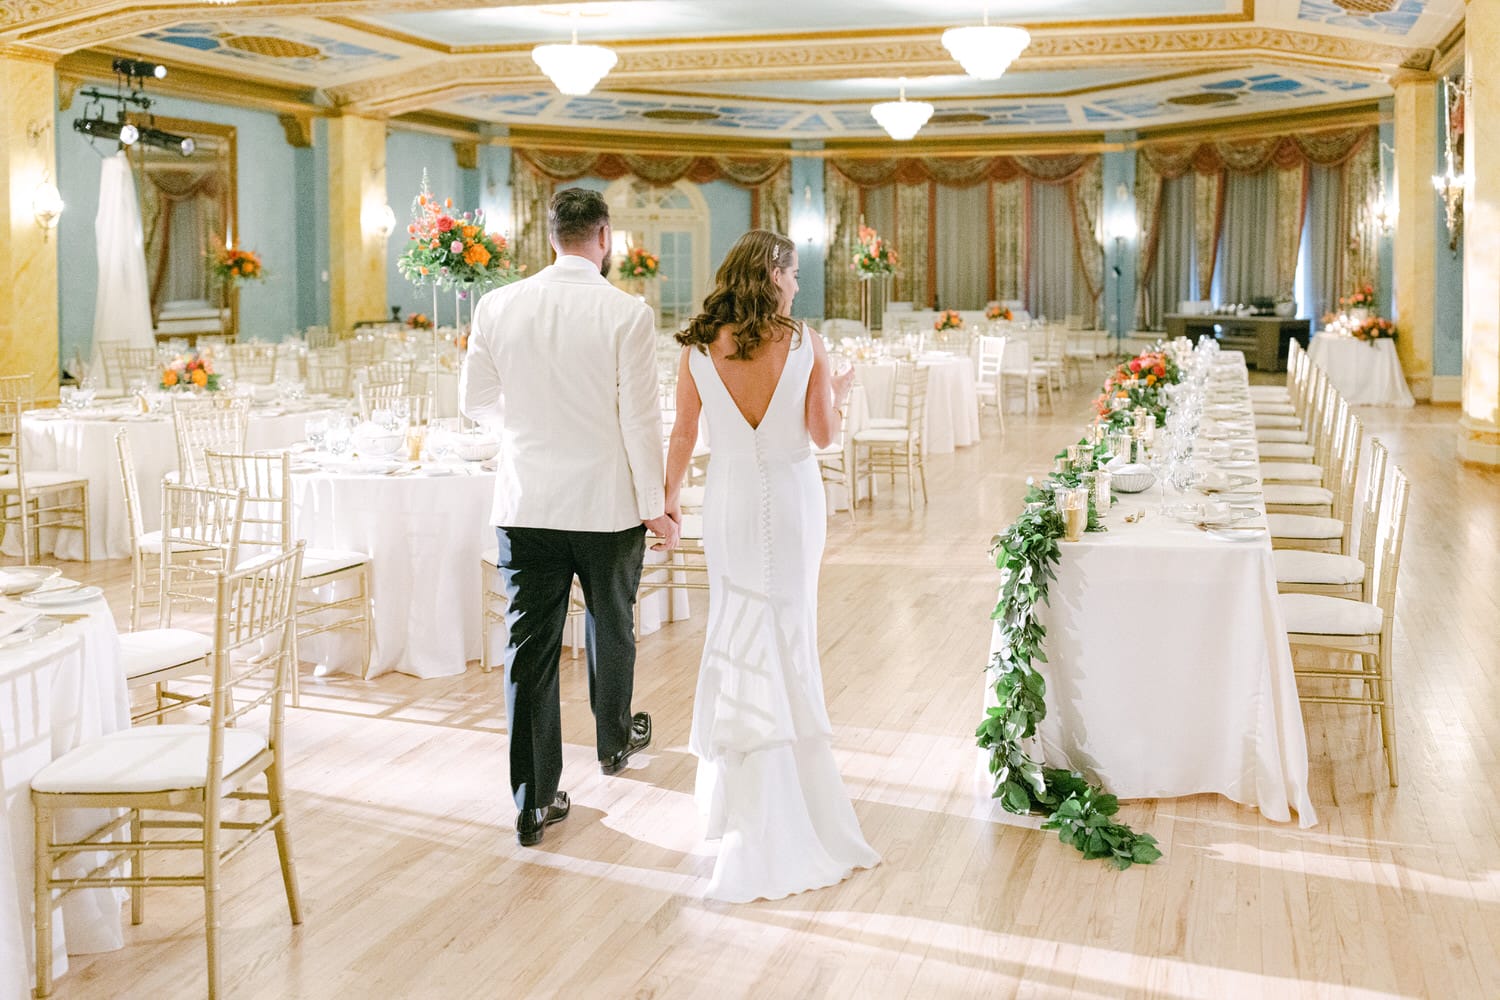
(445, 223)
(457, 246)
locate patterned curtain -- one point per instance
(1148, 195)
(776, 201)
(1009, 223)
(1361, 183)
(1291, 209)
(530, 195)
(962, 171)
(1208, 211)
(1086, 206)
(841, 213)
(1327, 148)
(911, 224)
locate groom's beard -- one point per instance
(605, 266)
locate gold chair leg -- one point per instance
(42, 851)
(1388, 708)
(296, 664)
(211, 896)
(137, 892)
(275, 797)
(484, 619)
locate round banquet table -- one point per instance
(952, 404)
(424, 534)
(59, 441)
(1367, 373)
(55, 693)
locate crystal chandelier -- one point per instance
(986, 51)
(902, 119)
(574, 69)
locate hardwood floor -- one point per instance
(413, 885)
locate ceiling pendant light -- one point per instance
(902, 119)
(986, 51)
(574, 69)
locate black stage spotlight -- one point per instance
(139, 69)
(157, 139)
(97, 128)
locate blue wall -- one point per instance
(808, 220)
(1448, 280)
(407, 155)
(270, 174)
(1117, 308)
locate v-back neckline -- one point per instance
(775, 391)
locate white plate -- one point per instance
(1238, 534)
(19, 579)
(36, 630)
(61, 597)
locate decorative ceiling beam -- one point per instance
(95, 67)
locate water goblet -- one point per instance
(316, 430)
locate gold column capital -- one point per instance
(1407, 77)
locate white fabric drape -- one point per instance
(1052, 282)
(963, 258)
(1247, 251)
(1175, 276)
(122, 304)
(1323, 246)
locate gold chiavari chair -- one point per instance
(104, 350)
(384, 396)
(686, 568)
(328, 371)
(253, 363)
(836, 466)
(900, 449)
(319, 337)
(385, 372)
(200, 538)
(1338, 625)
(208, 426)
(364, 351)
(1300, 571)
(36, 500)
(1343, 430)
(182, 769)
(266, 480)
(1333, 532)
(1274, 397)
(145, 546)
(137, 365)
(16, 387)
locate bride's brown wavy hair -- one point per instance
(744, 297)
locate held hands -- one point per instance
(668, 528)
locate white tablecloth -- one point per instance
(1168, 669)
(55, 694)
(1368, 373)
(424, 535)
(952, 405)
(56, 441)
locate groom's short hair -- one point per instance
(575, 215)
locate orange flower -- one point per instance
(447, 202)
(424, 270)
(200, 377)
(470, 232)
(1150, 379)
(477, 255)
(169, 378)
(421, 199)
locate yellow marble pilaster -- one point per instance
(28, 259)
(356, 191)
(1479, 427)
(1417, 225)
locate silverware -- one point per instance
(1139, 515)
(1205, 526)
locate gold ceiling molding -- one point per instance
(1250, 126)
(185, 81)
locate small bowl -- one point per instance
(1131, 482)
(472, 448)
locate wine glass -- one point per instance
(316, 429)
(339, 436)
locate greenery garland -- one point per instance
(1026, 554)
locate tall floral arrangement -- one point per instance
(948, 319)
(451, 250)
(1362, 297)
(872, 256)
(996, 311)
(639, 264)
(232, 265)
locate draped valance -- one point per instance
(962, 171)
(566, 165)
(1327, 148)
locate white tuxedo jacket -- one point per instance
(565, 364)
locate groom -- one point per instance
(566, 363)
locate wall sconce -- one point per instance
(46, 205)
(1382, 212)
(1450, 184)
(807, 227)
(378, 220)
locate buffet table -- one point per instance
(1366, 372)
(1264, 339)
(56, 692)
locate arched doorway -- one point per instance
(671, 222)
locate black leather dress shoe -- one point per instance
(531, 822)
(640, 739)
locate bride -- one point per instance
(767, 780)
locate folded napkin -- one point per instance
(13, 620)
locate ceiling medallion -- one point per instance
(1202, 100)
(986, 51)
(680, 115)
(272, 47)
(574, 69)
(902, 119)
(1366, 6)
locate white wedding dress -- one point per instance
(767, 780)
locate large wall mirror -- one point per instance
(188, 213)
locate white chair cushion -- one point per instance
(145, 759)
(1285, 449)
(1269, 392)
(150, 542)
(1291, 472)
(1293, 493)
(692, 526)
(1308, 526)
(1319, 614)
(1263, 418)
(1301, 566)
(318, 562)
(1268, 408)
(152, 649)
(881, 435)
(1280, 435)
(43, 480)
(887, 422)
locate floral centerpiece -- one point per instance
(453, 251)
(419, 321)
(639, 264)
(1372, 329)
(1139, 382)
(190, 370)
(996, 311)
(873, 257)
(231, 265)
(948, 319)
(1361, 298)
